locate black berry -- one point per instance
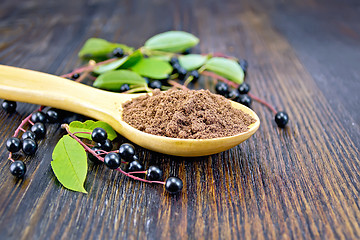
(281, 119)
(222, 88)
(38, 117)
(13, 144)
(127, 151)
(187, 51)
(173, 185)
(39, 130)
(155, 84)
(181, 73)
(125, 87)
(18, 169)
(135, 166)
(243, 64)
(154, 173)
(118, 52)
(29, 146)
(245, 100)
(75, 76)
(53, 115)
(93, 158)
(106, 146)
(195, 74)
(28, 135)
(244, 88)
(147, 80)
(99, 135)
(9, 106)
(174, 60)
(233, 95)
(112, 160)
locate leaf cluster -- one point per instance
(152, 61)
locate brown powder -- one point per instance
(193, 114)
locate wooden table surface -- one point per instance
(302, 182)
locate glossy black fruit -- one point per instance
(28, 134)
(244, 88)
(106, 146)
(125, 87)
(99, 135)
(233, 95)
(29, 146)
(187, 51)
(181, 73)
(195, 74)
(245, 100)
(222, 88)
(127, 151)
(39, 130)
(155, 84)
(243, 64)
(53, 115)
(9, 106)
(13, 144)
(93, 158)
(154, 173)
(135, 166)
(118, 52)
(174, 60)
(112, 160)
(173, 185)
(75, 76)
(38, 117)
(18, 169)
(281, 119)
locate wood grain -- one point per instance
(298, 183)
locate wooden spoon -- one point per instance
(34, 87)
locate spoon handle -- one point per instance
(34, 87)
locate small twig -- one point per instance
(263, 102)
(66, 127)
(87, 68)
(257, 99)
(178, 85)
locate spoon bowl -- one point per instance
(34, 87)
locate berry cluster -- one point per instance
(27, 143)
(102, 152)
(241, 95)
(181, 72)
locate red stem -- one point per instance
(263, 102)
(23, 122)
(102, 159)
(178, 85)
(83, 144)
(137, 178)
(235, 85)
(214, 75)
(87, 68)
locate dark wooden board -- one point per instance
(301, 182)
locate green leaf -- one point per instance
(89, 126)
(97, 47)
(70, 164)
(192, 61)
(153, 68)
(114, 79)
(110, 66)
(172, 41)
(134, 58)
(165, 58)
(227, 68)
(123, 63)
